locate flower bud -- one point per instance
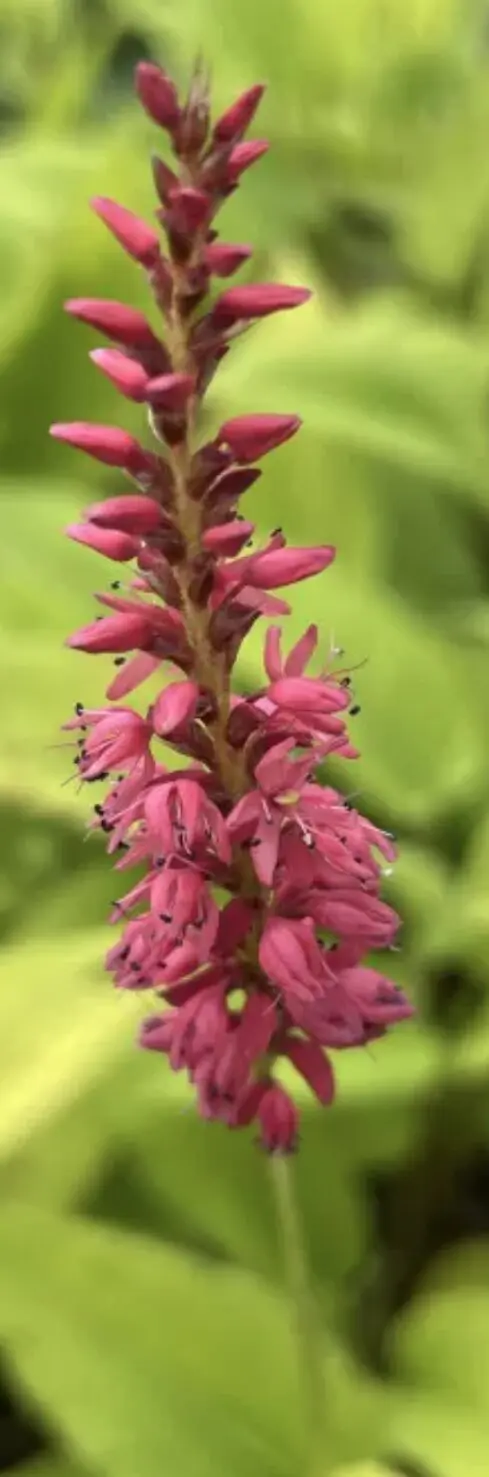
(234, 122)
(130, 514)
(138, 239)
(126, 374)
(256, 301)
(125, 325)
(158, 95)
(108, 541)
(252, 436)
(106, 443)
(222, 260)
(243, 156)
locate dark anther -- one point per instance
(116, 585)
(123, 845)
(135, 967)
(275, 531)
(356, 709)
(165, 917)
(99, 809)
(107, 826)
(345, 682)
(120, 778)
(79, 708)
(77, 759)
(119, 661)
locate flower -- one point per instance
(259, 897)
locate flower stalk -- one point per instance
(255, 882)
(301, 1301)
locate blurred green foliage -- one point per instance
(143, 1317)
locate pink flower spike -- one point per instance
(158, 95)
(245, 155)
(108, 541)
(310, 1060)
(175, 706)
(130, 514)
(228, 538)
(257, 898)
(128, 376)
(222, 260)
(234, 122)
(251, 436)
(279, 1121)
(106, 443)
(125, 325)
(112, 634)
(171, 392)
(257, 301)
(138, 239)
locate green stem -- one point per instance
(308, 1340)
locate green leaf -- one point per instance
(459, 933)
(224, 1197)
(388, 383)
(46, 593)
(441, 1436)
(364, 1469)
(418, 890)
(144, 1361)
(445, 216)
(54, 1467)
(59, 1024)
(49, 881)
(437, 1336)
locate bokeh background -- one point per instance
(144, 1324)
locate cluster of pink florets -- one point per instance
(259, 896)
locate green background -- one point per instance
(143, 1317)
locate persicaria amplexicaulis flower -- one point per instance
(258, 895)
